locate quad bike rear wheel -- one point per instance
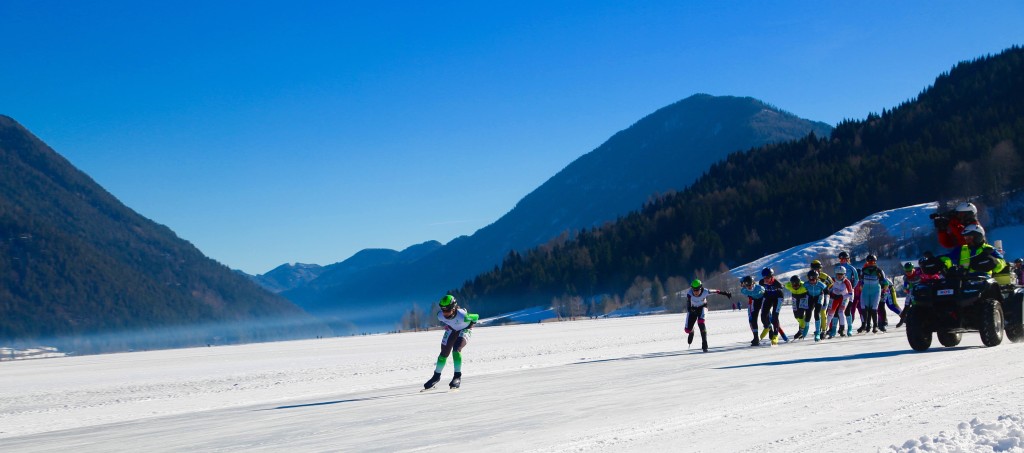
(1015, 333)
(991, 327)
(949, 339)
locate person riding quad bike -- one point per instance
(967, 299)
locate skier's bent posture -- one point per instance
(871, 294)
(696, 308)
(841, 294)
(888, 300)
(458, 328)
(816, 290)
(755, 299)
(798, 291)
(773, 296)
(911, 276)
(853, 301)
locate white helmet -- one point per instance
(974, 228)
(840, 270)
(967, 207)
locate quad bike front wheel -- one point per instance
(918, 335)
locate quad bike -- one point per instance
(964, 302)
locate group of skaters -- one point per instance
(826, 302)
(829, 303)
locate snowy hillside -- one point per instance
(902, 222)
(899, 222)
(624, 384)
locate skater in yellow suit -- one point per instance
(798, 291)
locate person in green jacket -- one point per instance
(458, 327)
(976, 255)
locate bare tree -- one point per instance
(610, 304)
(639, 293)
(828, 261)
(1001, 165)
(415, 319)
(965, 179)
(560, 307)
(576, 307)
(674, 288)
(879, 240)
(568, 306)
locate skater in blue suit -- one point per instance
(870, 294)
(755, 301)
(816, 290)
(773, 297)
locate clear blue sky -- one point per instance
(302, 131)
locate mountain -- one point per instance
(371, 259)
(291, 276)
(963, 136)
(80, 271)
(287, 276)
(663, 152)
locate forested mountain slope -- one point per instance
(962, 136)
(81, 271)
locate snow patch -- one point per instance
(30, 353)
(526, 315)
(633, 311)
(1004, 434)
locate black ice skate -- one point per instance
(456, 381)
(432, 382)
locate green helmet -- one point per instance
(447, 301)
(695, 284)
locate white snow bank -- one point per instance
(43, 352)
(524, 316)
(1004, 434)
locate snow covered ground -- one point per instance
(619, 384)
